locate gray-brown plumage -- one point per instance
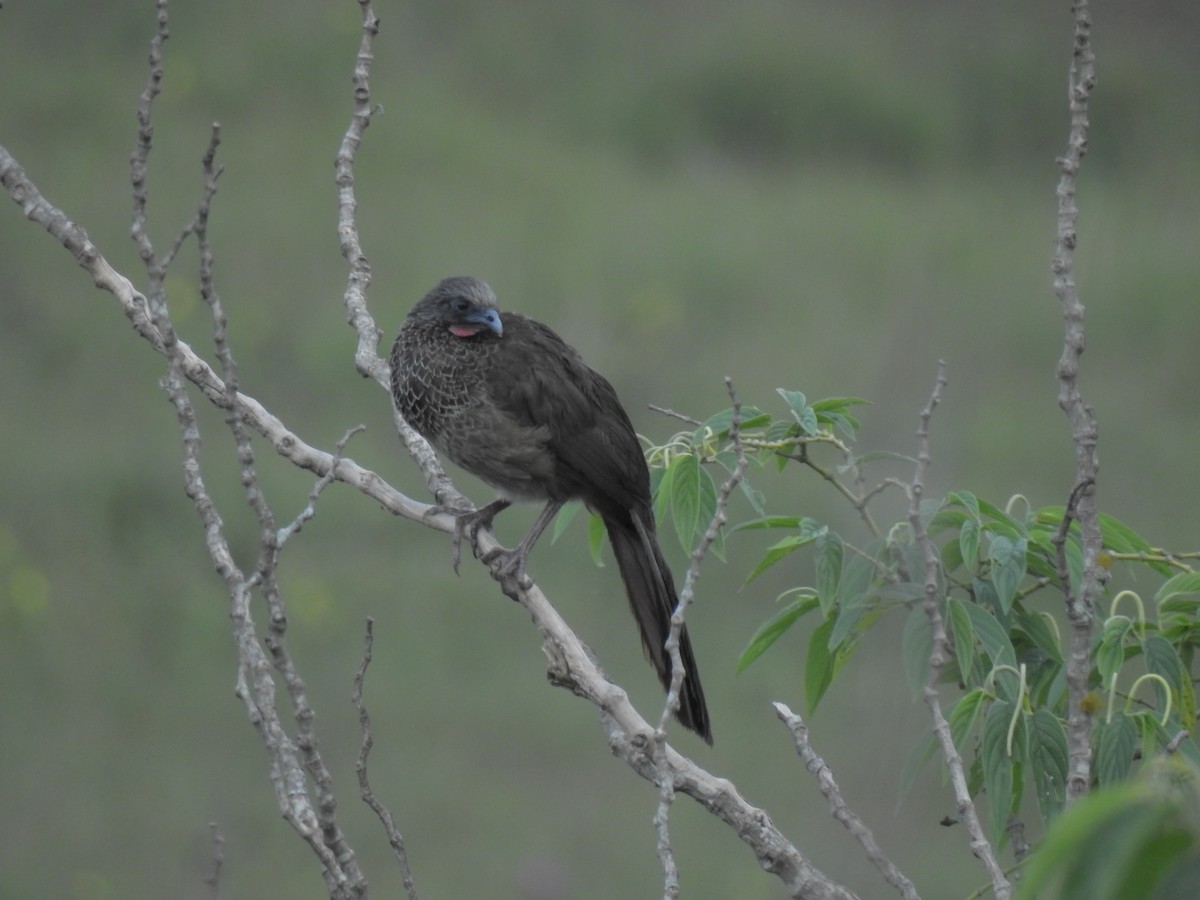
(508, 400)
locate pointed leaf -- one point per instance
(719, 423)
(964, 638)
(1007, 558)
(1115, 746)
(992, 635)
(596, 539)
(1181, 585)
(965, 499)
(685, 497)
(1048, 758)
(997, 765)
(853, 600)
(819, 666)
(838, 404)
(963, 715)
(829, 569)
(772, 522)
(1110, 652)
(660, 488)
(1162, 659)
(569, 511)
(778, 551)
(968, 542)
(771, 630)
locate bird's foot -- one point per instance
(505, 563)
(468, 522)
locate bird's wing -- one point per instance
(542, 382)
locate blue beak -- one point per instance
(489, 318)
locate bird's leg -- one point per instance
(512, 562)
(469, 523)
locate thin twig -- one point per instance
(395, 839)
(675, 415)
(837, 804)
(940, 652)
(686, 596)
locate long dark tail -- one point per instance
(652, 597)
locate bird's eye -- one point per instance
(461, 305)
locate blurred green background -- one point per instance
(822, 196)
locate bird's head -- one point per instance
(463, 305)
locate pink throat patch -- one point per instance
(465, 331)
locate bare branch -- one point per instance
(837, 804)
(366, 358)
(940, 651)
(360, 767)
(1081, 417)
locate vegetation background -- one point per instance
(821, 196)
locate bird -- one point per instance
(508, 400)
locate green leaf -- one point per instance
(1182, 585)
(569, 511)
(1007, 558)
(819, 666)
(596, 534)
(1162, 659)
(997, 765)
(719, 423)
(774, 522)
(832, 412)
(1000, 522)
(1115, 746)
(771, 630)
(778, 551)
(968, 542)
(853, 600)
(965, 499)
(838, 404)
(1110, 652)
(707, 501)
(660, 487)
(1048, 759)
(964, 637)
(829, 569)
(991, 635)
(963, 715)
(952, 559)
(917, 645)
(802, 412)
(1115, 844)
(1038, 630)
(685, 497)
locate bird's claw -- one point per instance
(505, 563)
(466, 522)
